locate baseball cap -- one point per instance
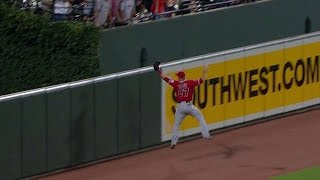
(180, 74)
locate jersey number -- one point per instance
(183, 92)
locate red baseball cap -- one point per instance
(180, 74)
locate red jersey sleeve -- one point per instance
(197, 82)
(170, 81)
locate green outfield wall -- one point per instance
(64, 128)
(139, 45)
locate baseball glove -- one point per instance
(156, 65)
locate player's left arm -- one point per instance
(203, 77)
(204, 73)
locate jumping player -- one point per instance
(184, 90)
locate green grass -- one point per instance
(305, 174)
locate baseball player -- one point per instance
(184, 90)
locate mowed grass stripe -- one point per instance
(312, 173)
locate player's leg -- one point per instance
(178, 118)
(195, 112)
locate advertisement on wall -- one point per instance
(248, 84)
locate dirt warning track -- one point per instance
(254, 152)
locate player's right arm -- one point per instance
(166, 79)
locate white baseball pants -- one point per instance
(183, 109)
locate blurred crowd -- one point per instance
(112, 13)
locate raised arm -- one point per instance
(156, 67)
(158, 70)
(204, 73)
(163, 76)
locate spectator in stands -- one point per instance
(76, 13)
(127, 10)
(121, 12)
(193, 6)
(88, 10)
(171, 5)
(115, 18)
(46, 5)
(101, 12)
(61, 10)
(184, 7)
(143, 12)
(157, 7)
(141, 7)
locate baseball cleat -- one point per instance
(209, 138)
(172, 146)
